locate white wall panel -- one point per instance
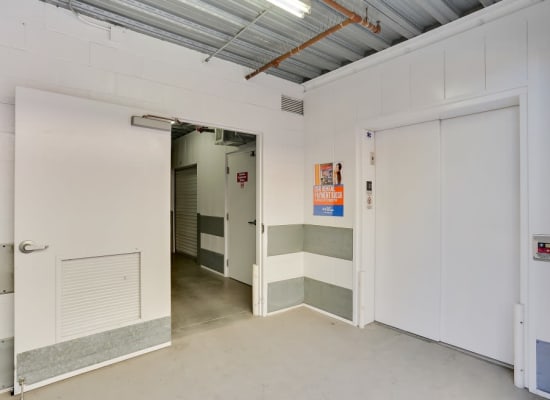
(408, 228)
(465, 65)
(285, 266)
(135, 88)
(7, 118)
(213, 243)
(395, 78)
(84, 77)
(211, 174)
(329, 269)
(12, 34)
(506, 51)
(369, 93)
(6, 315)
(427, 77)
(57, 45)
(113, 59)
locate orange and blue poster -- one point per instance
(328, 191)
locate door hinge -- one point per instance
(227, 170)
(227, 263)
(263, 228)
(227, 216)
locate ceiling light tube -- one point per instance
(296, 7)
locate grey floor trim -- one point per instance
(211, 225)
(6, 363)
(212, 260)
(329, 241)
(285, 294)
(50, 361)
(543, 366)
(285, 239)
(330, 298)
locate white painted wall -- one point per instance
(440, 69)
(199, 148)
(47, 48)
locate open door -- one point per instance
(92, 236)
(241, 206)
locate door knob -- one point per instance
(28, 246)
(252, 222)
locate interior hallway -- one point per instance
(203, 300)
(299, 354)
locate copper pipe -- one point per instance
(275, 63)
(356, 18)
(353, 18)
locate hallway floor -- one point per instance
(202, 299)
(299, 354)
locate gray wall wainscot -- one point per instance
(323, 240)
(212, 226)
(329, 241)
(6, 363)
(61, 358)
(331, 298)
(285, 294)
(285, 239)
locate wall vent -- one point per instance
(292, 105)
(98, 293)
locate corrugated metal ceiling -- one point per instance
(208, 25)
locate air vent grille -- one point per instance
(292, 105)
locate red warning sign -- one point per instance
(242, 177)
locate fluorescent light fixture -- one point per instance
(295, 7)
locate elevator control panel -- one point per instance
(541, 247)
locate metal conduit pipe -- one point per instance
(275, 63)
(353, 18)
(356, 18)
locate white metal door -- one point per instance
(185, 210)
(480, 231)
(241, 206)
(407, 282)
(95, 191)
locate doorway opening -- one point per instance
(214, 231)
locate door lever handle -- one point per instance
(28, 246)
(252, 222)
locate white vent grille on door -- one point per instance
(292, 105)
(98, 294)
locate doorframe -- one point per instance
(257, 148)
(365, 222)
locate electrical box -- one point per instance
(541, 247)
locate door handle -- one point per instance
(252, 222)
(28, 246)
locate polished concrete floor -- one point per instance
(299, 354)
(202, 299)
(220, 351)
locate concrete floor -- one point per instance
(205, 300)
(220, 351)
